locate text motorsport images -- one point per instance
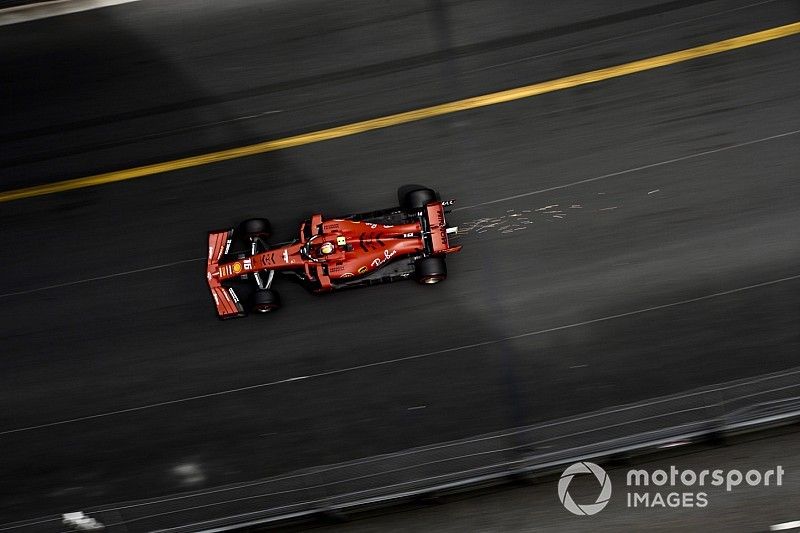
(644, 487)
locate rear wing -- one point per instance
(440, 243)
(225, 299)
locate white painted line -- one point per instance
(99, 278)
(629, 171)
(404, 359)
(19, 14)
(786, 525)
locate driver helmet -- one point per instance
(326, 248)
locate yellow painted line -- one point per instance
(411, 116)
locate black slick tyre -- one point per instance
(256, 227)
(266, 301)
(431, 270)
(417, 198)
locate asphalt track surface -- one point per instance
(666, 186)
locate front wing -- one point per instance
(225, 298)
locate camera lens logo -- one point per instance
(589, 509)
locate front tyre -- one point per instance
(256, 227)
(431, 270)
(266, 301)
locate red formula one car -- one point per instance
(352, 251)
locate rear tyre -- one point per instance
(431, 270)
(266, 301)
(256, 227)
(415, 197)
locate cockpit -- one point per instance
(320, 248)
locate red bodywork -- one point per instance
(359, 248)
